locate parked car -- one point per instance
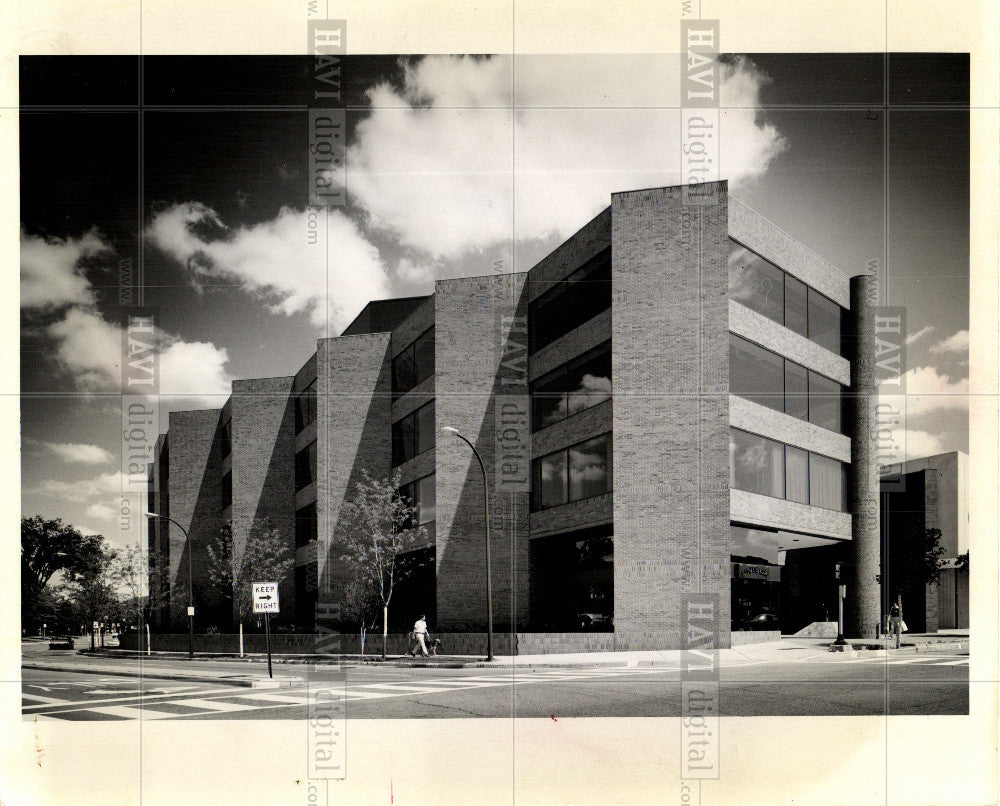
(599, 622)
(762, 621)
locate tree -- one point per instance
(374, 528)
(138, 574)
(361, 606)
(47, 547)
(92, 590)
(266, 557)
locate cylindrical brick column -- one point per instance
(862, 609)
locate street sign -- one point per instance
(190, 611)
(265, 597)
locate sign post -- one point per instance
(265, 600)
(841, 593)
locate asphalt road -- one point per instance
(926, 683)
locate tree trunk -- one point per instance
(362, 640)
(385, 628)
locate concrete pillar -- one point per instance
(862, 607)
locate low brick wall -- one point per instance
(397, 644)
(744, 637)
(325, 643)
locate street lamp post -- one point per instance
(187, 539)
(489, 578)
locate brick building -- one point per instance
(664, 404)
(920, 494)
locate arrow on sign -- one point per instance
(266, 597)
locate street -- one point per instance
(907, 684)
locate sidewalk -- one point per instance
(232, 670)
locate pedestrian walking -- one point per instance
(420, 636)
(895, 621)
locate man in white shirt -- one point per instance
(420, 636)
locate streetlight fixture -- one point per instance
(486, 508)
(190, 609)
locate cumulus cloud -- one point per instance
(51, 274)
(919, 334)
(928, 390)
(956, 343)
(917, 444)
(329, 277)
(100, 511)
(447, 164)
(103, 486)
(79, 452)
(90, 348)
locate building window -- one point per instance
(824, 321)
(227, 490)
(824, 402)
(574, 387)
(306, 525)
(756, 283)
(772, 292)
(766, 378)
(571, 581)
(414, 365)
(571, 303)
(796, 475)
(305, 407)
(826, 482)
(588, 469)
(422, 494)
(756, 374)
(572, 474)
(413, 434)
(766, 467)
(756, 464)
(305, 466)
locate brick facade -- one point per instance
(195, 503)
(669, 279)
(670, 505)
(479, 323)
(353, 424)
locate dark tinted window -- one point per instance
(824, 402)
(306, 525)
(579, 472)
(826, 482)
(574, 387)
(423, 356)
(589, 468)
(305, 407)
(413, 434)
(796, 306)
(756, 283)
(588, 382)
(404, 372)
(578, 299)
(548, 400)
(756, 374)
(796, 390)
(425, 428)
(824, 321)
(305, 466)
(796, 475)
(550, 480)
(757, 464)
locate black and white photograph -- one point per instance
(531, 423)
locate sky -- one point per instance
(202, 201)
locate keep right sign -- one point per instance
(265, 597)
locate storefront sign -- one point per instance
(765, 573)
